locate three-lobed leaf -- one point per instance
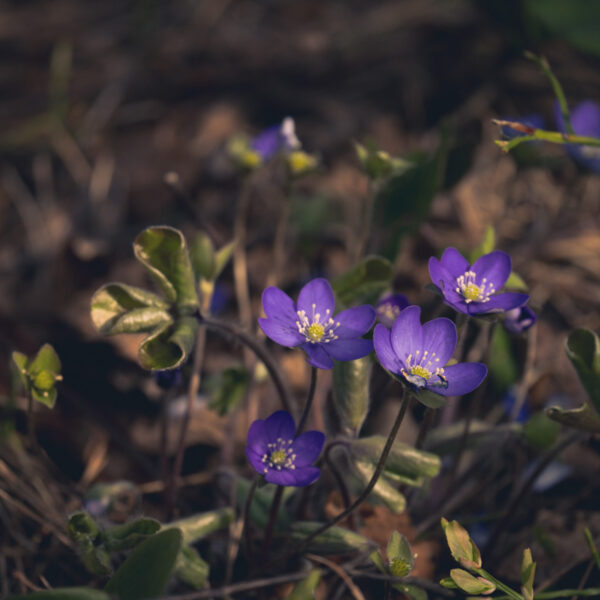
(168, 346)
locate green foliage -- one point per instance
(583, 350)
(261, 503)
(207, 262)
(377, 163)
(351, 392)
(199, 526)
(305, 589)
(38, 375)
(74, 593)
(462, 547)
(541, 431)
(336, 540)
(227, 389)
(488, 244)
(502, 365)
(527, 575)
(584, 418)
(191, 568)
(125, 537)
(364, 282)
(147, 570)
(470, 584)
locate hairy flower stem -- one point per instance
(192, 394)
(425, 427)
(373, 481)
(259, 350)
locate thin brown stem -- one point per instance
(425, 427)
(309, 400)
(328, 460)
(272, 519)
(240, 266)
(246, 531)
(193, 387)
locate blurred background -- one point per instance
(99, 100)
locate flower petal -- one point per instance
(407, 332)
(585, 118)
(384, 351)
(297, 478)
(307, 448)
(454, 262)
(281, 332)
(317, 357)
(498, 303)
(255, 460)
(318, 294)
(354, 322)
(348, 349)
(280, 425)
(495, 267)
(440, 276)
(439, 337)
(257, 437)
(462, 379)
(278, 305)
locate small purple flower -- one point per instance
(275, 452)
(472, 289)
(276, 139)
(417, 354)
(168, 379)
(310, 323)
(585, 119)
(389, 307)
(520, 319)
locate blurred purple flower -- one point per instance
(417, 354)
(276, 139)
(520, 319)
(309, 323)
(585, 119)
(472, 289)
(508, 403)
(533, 120)
(275, 452)
(168, 379)
(389, 307)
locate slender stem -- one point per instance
(246, 531)
(240, 267)
(558, 594)
(272, 519)
(309, 400)
(279, 253)
(193, 387)
(339, 479)
(592, 546)
(259, 350)
(31, 419)
(367, 217)
(373, 481)
(425, 427)
(341, 573)
(501, 586)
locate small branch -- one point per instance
(339, 571)
(327, 458)
(246, 532)
(558, 594)
(273, 512)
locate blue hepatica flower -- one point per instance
(389, 307)
(278, 138)
(282, 458)
(417, 354)
(518, 320)
(473, 289)
(585, 119)
(310, 323)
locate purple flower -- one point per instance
(472, 289)
(520, 319)
(417, 354)
(282, 458)
(310, 323)
(389, 307)
(585, 119)
(275, 139)
(168, 379)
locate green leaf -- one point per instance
(73, 593)
(46, 397)
(384, 491)
(430, 399)
(378, 164)
(120, 308)
(448, 583)
(527, 575)
(583, 350)
(20, 362)
(80, 525)
(364, 282)
(412, 591)
(305, 589)
(351, 392)
(46, 360)
(202, 255)
(191, 568)
(222, 257)
(540, 431)
(404, 464)
(487, 244)
(470, 584)
(462, 547)
(516, 282)
(227, 389)
(378, 561)
(163, 251)
(129, 535)
(399, 555)
(168, 346)
(336, 540)
(199, 526)
(147, 570)
(502, 364)
(584, 418)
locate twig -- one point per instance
(194, 385)
(273, 512)
(339, 571)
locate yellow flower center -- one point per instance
(388, 311)
(420, 371)
(280, 455)
(317, 328)
(471, 291)
(315, 332)
(423, 365)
